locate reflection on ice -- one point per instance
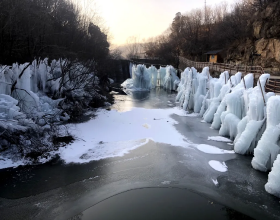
(138, 95)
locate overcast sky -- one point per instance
(144, 18)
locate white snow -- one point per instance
(166, 182)
(218, 166)
(113, 133)
(86, 152)
(218, 138)
(8, 163)
(213, 150)
(215, 181)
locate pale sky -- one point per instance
(144, 18)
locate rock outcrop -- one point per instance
(265, 40)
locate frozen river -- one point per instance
(144, 147)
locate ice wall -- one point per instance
(23, 88)
(248, 115)
(269, 145)
(237, 94)
(201, 90)
(146, 79)
(190, 86)
(153, 75)
(251, 127)
(182, 85)
(171, 80)
(273, 184)
(216, 96)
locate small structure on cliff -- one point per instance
(214, 56)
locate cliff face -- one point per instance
(265, 40)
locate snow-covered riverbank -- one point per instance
(35, 99)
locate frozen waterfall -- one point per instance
(145, 79)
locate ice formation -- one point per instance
(247, 115)
(226, 104)
(153, 74)
(23, 88)
(252, 126)
(273, 186)
(215, 96)
(144, 79)
(171, 80)
(268, 146)
(182, 85)
(219, 101)
(187, 96)
(201, 90)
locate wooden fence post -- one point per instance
(244, 82)
(262, 92)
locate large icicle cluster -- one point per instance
(252, 125)
(246, 114)
(269, 145)
(22, 93)
(272, 186)
(29, 97)
(144, 79)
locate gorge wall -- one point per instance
(265, 40)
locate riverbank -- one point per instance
(59, 190)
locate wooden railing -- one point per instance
(220, 67)
(273, 84)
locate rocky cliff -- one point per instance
(265, 40)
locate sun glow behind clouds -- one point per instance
(144, 18)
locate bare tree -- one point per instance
(133, 47)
